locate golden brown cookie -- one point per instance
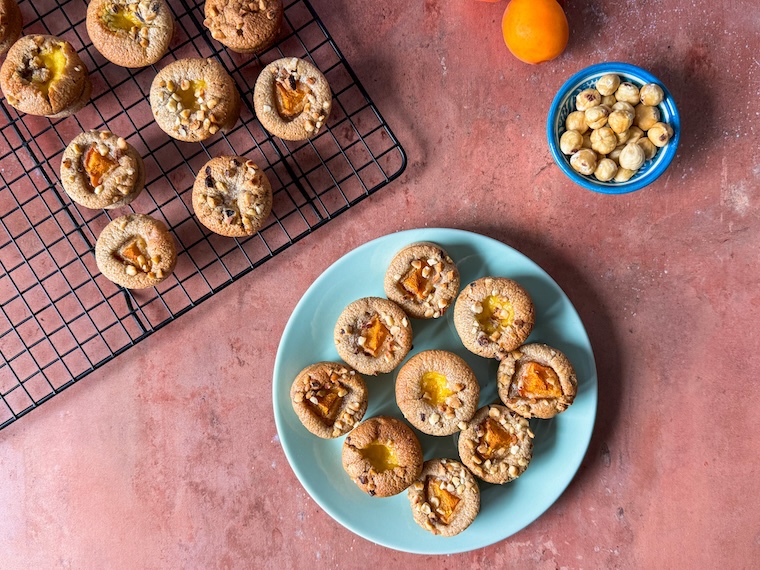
(493, 315)
(102, 170)
(135, 251)
(445, 498)
(130, 33)
(43, 75)
(536, 381)
(329, 398)
(423, 279)
(192, 99)
(373, 335)
(437, 392)
(497, 445)
(292, 99)
(232, 196)
(382, 456)
(244, 26)
(10, 24)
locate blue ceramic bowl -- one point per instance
(564, 104)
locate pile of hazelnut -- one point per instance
(615, 129)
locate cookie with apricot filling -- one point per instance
(493, 315)
(445, 498)
(130, 33)
(329, 398)
(43, 75)
(292, 99)
(383, 456)
(232, 196)
(193, 99)
(102, 170)
(373, 335)
(136, 251)
(423, 279)
(497, 445)
(536, 381)
(437, 391)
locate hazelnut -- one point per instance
(584, 161)
(627, 92)
(660, 134)
(651, 94)
(620, 120)
(622, 138)
(648, 147)
(646, 116)
(571, 142)
(596, 117)
(623, 175)
(606, 170)
(632, 157)
(634, 134)
(608, 84)
(615, 154)
(586, 140)
(609, 100)
(603, 140)
(588, 98)
(576, 121)
(622, 106)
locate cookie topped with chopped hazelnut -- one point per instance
(193, 99)
(102, 170)
(244, 26)
(136, 251)
(232, 196)
(292, 99)
(130, 33)
(43, 75)
(329, 398)
(373, 335)
(423, 279)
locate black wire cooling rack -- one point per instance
(60, 319)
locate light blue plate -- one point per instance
(560, 443)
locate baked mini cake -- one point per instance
(373, 335)
(192, 99)
(497, 445)
(329, 398)
(232, 196)
(292, 99)
(382, 456)
(130, 33)
(43, 75)
(423, 279)
(10, 24)
(493, 315)
(445, 498)
(101, 170)
(135, 251)
(536, 381)
(437, 392)
(244, 26)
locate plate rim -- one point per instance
(421, 235)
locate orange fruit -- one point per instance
(535, 30)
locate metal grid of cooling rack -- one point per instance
(60, 319)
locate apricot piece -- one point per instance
(132, 251)
(496, 437)
(416, 283)
(436, 385)
(538, 381)
(97, 166)
(374, 337)
(54, 60)
(497, 314)
(327, 405)
(119, 19)
(290, 97)
(447, 501)
(381, 456)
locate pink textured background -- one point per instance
(168, 457)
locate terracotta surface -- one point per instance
(168, 457)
